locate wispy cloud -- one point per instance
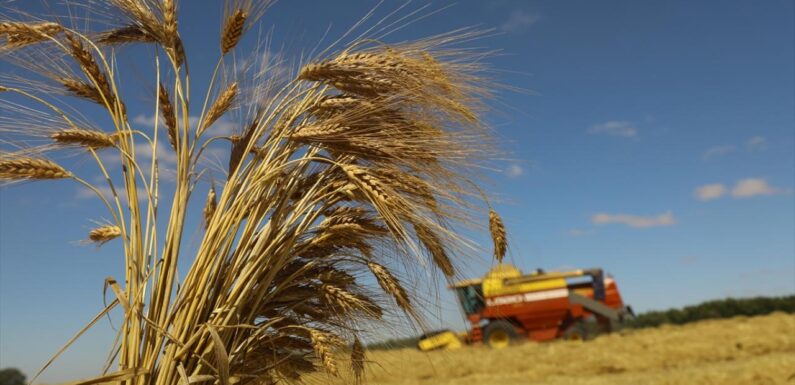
(618, 128)
(519, 21)
(84, 193)
(757, 143)
(714, 152)
(752, 187)
(635, 221)
(754, 144)
(743, 188)
(514, 171)
(709, 192)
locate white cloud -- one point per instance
(757, 143)
(514, 171)
(635, 221)
(519, 21)
(751, 187)
(710, 191)
(615, 128)
(717, 151)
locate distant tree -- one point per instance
(11, 376)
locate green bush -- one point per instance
(11, 376)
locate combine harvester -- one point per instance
(506, 306)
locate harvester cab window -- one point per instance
(471, 298)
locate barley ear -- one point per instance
(168, 114)
(86, 138)
(103, 234)
(391, 286)
(357, 360)
(31, 168)
(436, 248)
(323, 343)
(233, 31)
(220, 106)
(209, 207)
(498, 235)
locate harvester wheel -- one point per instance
(578, 331)
(500, 334)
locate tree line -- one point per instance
(723, 308)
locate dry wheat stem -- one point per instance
(357, 168)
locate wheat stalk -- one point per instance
(359, 165)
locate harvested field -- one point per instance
(758, 350)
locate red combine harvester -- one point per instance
(507, 306)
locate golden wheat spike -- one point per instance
(391, 285)
(86, 138)
(103, 234)
(434, 245)
(220, 106)
(123, 35)
(209, 207)
(19, 34)
(89, 65)
(498, 235)
(357, 360)
(233, 30)
(169, 117)
(323, 344)
(370, 183)
(170, 21)
(31, 168)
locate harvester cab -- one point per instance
(507, 306)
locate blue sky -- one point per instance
(657, 143)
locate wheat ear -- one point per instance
(31, 168)
(323, 343)
(169, 115)
(86, 138)
(103, 234)
(220, 106)
(498, 235)
(233, 30)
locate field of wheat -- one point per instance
(757, 350)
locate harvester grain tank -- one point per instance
(507, 306)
